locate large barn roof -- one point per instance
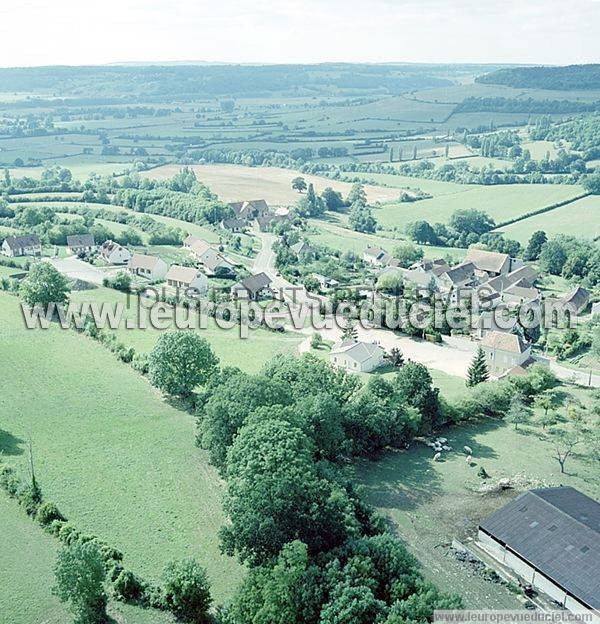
(556, 530)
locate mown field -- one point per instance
(118, 460)
(501, 202)
(581, 218)
(236, 183)
(429, 503)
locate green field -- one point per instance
(118, 460)
(581, 218)
(334, 235)
(431, 502)
(501, 202)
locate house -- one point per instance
(234, 225)
(302, 248)
(357, 357)
(505, 351)
(113, 253)
(491, 263)
(518, 295)
(253, 287)
(28, 245)
(216, 265)
(434, 267)
(596, 308)
(325, 283)
(376, 256)
(250, 210)
(423, 283)
(266, 222)
(578, 298)
(199, 248)
(189, 240)
(524, 276)
(550, 538)
(457, 281)
(81, 243)
(150, 267)
(187, 278)
(489, 321)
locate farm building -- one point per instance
(198, 248)
(505, 351)
(28, 245)
(189, 240)
(150, 267)
(113, 253)
(578, 298)
(491, 263)
(550, 538)
(354, 356)
(518, 295)
(81, 243)
(186, 277)
(253, 287)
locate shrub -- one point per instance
(68, 534)
(30, 497)
(187, 590)
(140, 363)
(9, 481)
(55, 526)
(47, 513)
(127, 586)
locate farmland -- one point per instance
(131, 475)
(428, 500)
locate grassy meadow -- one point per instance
(119, 461)
(430, 502)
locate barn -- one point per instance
(550, 537)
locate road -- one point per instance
(75, 268)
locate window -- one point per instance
(584, 549)
(552, 527)
(533, 524)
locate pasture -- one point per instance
(431, 502)
(579, 218)
(502, 202)
(119, 461)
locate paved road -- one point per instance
(265, 262)
(75, 268)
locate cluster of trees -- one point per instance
(582, 134)
(465, 227)
(574, 258)
(499, 144)
(566, 78)
(520, 105)
(316, 551)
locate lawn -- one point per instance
(581, 218)
(430, 503)
(118, 460)
(237, 182)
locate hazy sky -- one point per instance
(75, 32)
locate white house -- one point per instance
(81, 243)
(150, 267)
(491, 263)
(505, 352)
(188, 278)
(376, 256)
(113, 253)
(28, 245)
(253, 287)
(357, 357)
(550, 538)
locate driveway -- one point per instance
(75, 268)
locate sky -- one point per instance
(80, 32)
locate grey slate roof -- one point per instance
(556, 530)
(19, 242)
(255, 283)
(80, 240)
